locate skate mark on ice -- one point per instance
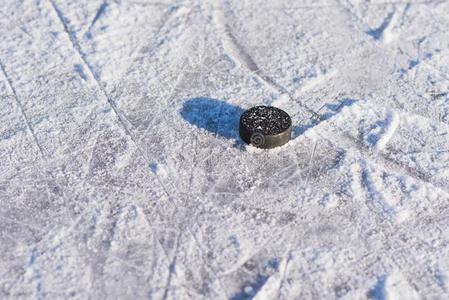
(335, 108)
(316, 118)
(36, 274)
(392, 123)
(155, 170)
(194, 162)
(357, 143)
(375, 197)
(72, 38)
(441, 279)
(172, 267)
(259, 278)
(378, 134)
(378, 290)
(22, 110)
(383, 31)
(315, 80)
(231, 44)
(239, 54)
(391, 163)
(33, 228)
(22, 26)
(101, 10)
(79, 69)
(103, 235)
(286, 261)
(244, 58)
(387, 31)
(312, 156)
(76, 46)
(146, 48)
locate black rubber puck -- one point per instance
(265, 127)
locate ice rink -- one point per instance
(122, 174)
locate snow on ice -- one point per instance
(122, 175)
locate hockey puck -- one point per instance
(265, 127)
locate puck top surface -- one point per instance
(266, 120)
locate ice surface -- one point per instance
(122, 175)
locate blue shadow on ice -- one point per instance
(332, 109)
(216, 116)
(222, 118)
